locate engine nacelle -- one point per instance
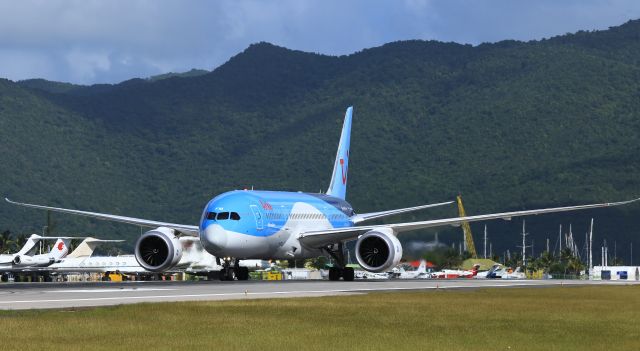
(378, 250)
(32, 261)
(158, 250)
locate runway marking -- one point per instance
(98, 290)
(276, 293)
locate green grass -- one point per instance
(564, 318)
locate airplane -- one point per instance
(24, 262)
(7, 259)
(59, 250)
(456, 273)
(360, 274)
(420, 273)
(267, 225)
(194, 261)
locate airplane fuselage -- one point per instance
(266, 224)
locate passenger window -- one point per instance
(211, 215)
(235, 216)
(223, 215)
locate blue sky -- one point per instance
(87, 41)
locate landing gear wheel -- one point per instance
(334, 273)
(348, 274)
(227, 274)
(242, 273)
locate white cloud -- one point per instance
(89, 41)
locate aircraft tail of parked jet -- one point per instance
(87, 246)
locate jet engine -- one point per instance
(30, 261)
(378, 250)
(158, 250)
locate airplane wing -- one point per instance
(358, 218)
(322, 238)
(191, 230)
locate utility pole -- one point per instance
(547, 244)
(532, 253)
(591, 250)
(524, 245)
(485, 241)
(560, 240)
(491, 249)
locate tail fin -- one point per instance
(29, 244)
(60, 249)
(88, 245)
(423, 266)
(338, 185)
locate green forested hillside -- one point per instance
(509, 125)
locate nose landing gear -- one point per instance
(231, 270)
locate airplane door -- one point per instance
(258, 217)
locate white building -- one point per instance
(616, 273)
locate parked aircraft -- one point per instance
(456, 273)
(59, 250)
(269, 225)
(7, 259)
(26, 262)
(193, 261)
(420, 273)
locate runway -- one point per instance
(69, 295)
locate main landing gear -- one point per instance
(231, 270)
(342, 270)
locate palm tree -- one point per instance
(5, 241)
(19, 241)
(546, 260)
(451, 259)
(574, 265)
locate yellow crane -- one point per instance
(468, 238)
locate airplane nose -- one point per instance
(214, 238)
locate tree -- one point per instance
(6, 242)
(19, 241)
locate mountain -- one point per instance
(509, 125)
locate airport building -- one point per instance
(631, 273)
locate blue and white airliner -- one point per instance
(248, 224)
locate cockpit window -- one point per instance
(223, 215)
(211, 215)
(235, 216)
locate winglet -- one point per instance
(338, 185)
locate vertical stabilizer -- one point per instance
(29, 244)
(338, 185)
(60, 249)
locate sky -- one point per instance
(88, 41)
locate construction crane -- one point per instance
(466, 230)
